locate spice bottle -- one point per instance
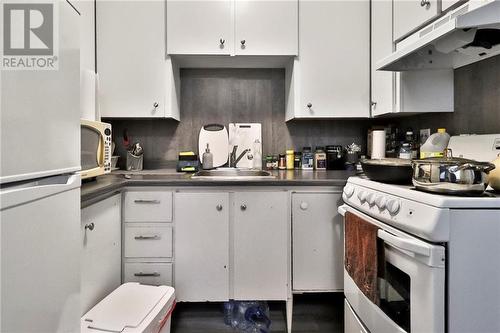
(282, 162)
(319, 159)
(297, 162)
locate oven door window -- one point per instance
(395, 295)
(90, 142)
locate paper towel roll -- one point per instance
(378, 144)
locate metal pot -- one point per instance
(451, 175)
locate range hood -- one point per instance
(465, 35)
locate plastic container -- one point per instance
(250, 317)
(290, 159)
(435, 145)
(307, 159)
(319, 159)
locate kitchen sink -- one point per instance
(232, 174)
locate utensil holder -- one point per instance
(134, 163)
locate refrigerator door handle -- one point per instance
(37, 189)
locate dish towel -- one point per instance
(364, 255)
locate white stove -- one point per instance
(425, 215)
(439, 253)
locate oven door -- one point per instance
(412, 286)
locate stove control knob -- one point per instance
(393, 206)
(348, 191)
(381, 202)
(370, 198)
(362, 196)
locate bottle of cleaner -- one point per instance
(436, 144)
(257, 155)
(208, 159)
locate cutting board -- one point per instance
(244, 136)
(218, 140)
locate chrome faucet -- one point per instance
(233, 160)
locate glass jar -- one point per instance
(282, 162)
(405, 151)
(289, 159)
(269, 162)
(307, 159)
(297, 161)
(275, 162)
(320, 158)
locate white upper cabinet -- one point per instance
(381, 47)
(266, 27)
(136, 79)
(411, 14)
(405, 92)
(232, 27)
(200, 27)
(331, 76)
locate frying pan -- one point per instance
(388, 170)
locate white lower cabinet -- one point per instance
(231, 245)
(317, 238)
(201, 246)
(147, 241)
(260, 250)
(101, 250)
(152, 273)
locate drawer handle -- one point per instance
(143, 201)
(147, 237)
(147, 274)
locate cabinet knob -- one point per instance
(243, 207)
(155, 105)
(218, 207)
(309, 105)
(304, 205)
(425, 3)
(243, 42)
(374, 104)
(222, 41)
(90, 226)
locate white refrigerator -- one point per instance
(40, 190)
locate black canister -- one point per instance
(335, 157)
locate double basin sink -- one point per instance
(232, 174)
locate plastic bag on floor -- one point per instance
(247, 317)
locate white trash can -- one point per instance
(132, 307)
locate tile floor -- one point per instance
(312, 313)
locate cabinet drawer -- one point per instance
(148, 273)
(144, 242)
(148, 206)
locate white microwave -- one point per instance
(95, 148)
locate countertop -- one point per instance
(115, 181)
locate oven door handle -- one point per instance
(404, 243)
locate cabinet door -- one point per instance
(381, 47)
(201, 246)
(199, 27)
(131, 64)
(266, 27)
(260, 246)
(334, 59)
(101, 250)
(412, 14)
(317, 242)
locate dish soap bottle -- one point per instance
(257, 155)
(208, 159)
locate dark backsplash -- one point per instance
(477, 102)
(258, 95)
(233, 95)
